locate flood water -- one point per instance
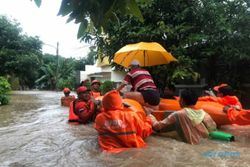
(34, 132)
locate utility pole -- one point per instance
(56, 77)
(57, 49)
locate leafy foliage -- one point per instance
(56, 76)
(18, 51)
(4, 89)
(209, 38)
(93, 15)
(22, 61)
(107, 86)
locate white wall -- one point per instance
(117, 76)
(89, 69)
(83, 75)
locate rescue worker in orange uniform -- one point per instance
(95, 88)
(67, 99)
(119, 128)
(224, 96)
(82, 109)
(239, 117)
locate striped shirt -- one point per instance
(140, 80)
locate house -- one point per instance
(102, 71)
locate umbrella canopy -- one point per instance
(147, 53)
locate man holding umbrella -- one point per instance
(144, 89)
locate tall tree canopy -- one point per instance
(210, 37)
(19, 53)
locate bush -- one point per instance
(4, 89)
(4, 99)
(107, 86)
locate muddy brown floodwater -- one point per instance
(34, 132)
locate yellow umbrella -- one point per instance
(147, 53)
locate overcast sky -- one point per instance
(45, 23)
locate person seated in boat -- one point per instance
(118, 127)
(83, 108)
(67, 98)
(143, 86)
(224, 96)
(169, 92)
(95, 88)
(190, 123)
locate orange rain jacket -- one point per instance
(241, 117)
(119, 128)
(226, 100)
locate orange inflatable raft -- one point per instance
(167, 106)
(131, 104)
(215, 110)
(134, 105)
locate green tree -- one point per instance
(209, 37)
(4, 89)
(93, 15)
(18, 51)
(107, 86)
(224, 50)
(56, 77)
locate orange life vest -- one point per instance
(72, 116)
(85, 111)
(95, 94)
(65, 101)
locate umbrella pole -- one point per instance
(144, 53)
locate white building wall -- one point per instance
(83, 75)
(106, 69)
(89, 69)
(117, 76)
